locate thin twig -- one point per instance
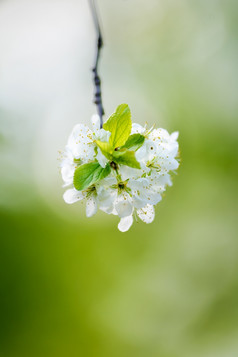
(96, 78)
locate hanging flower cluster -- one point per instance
(121, 169)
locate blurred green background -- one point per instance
(72, 286)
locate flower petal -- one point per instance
(91, 206)
(95, 122)
(174, 135)
(152, 197)
(71, 196)
(125, 223)
(67, 173)
(139, 184)
(146, 214)
(81, 143)
(137, 129)
(101, 159)
(123, 205)
(106, 198)
(129, 173)
(138, 202)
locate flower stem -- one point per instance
(96, 78)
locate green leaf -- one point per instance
(134, 142)
(119, 124)
(126, 157)
(88, 174)
(105, 148)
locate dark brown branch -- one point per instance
(96, 78)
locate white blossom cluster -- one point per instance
(127, 192)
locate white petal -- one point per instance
(91, 206)
(138, 202)
(160, 180)
(159, 135)
(147, 152)
(123, 205)
(101, 159)
(146, 214)
(107, 182)
(137, 129)
(67, 173)
(125, 223)
(173, 149)
(67, 157)
(84, 151)
(151, 149)
(129, 172)
(141, 153)
(71, 196)
(174, 135)
(103, 135)
(109, 210)
(153, 197)
(81, 143)
(106, 199)
(95, 122)
(139, 184)
(80, 133)
(171, 164)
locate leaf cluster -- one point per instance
(119, 150)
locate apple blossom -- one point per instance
(121, 169)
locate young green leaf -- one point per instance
(88, 174)
(134, 142)
(126, 157)
(105, 148)
(119, 124)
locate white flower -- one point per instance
(81, 143)
(146, 214)
(80, 148)
(138, 129)
(72, 195)
(158, 152)
(126, 191)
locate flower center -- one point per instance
(121, 185)
(113, 165)
(91, 190)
